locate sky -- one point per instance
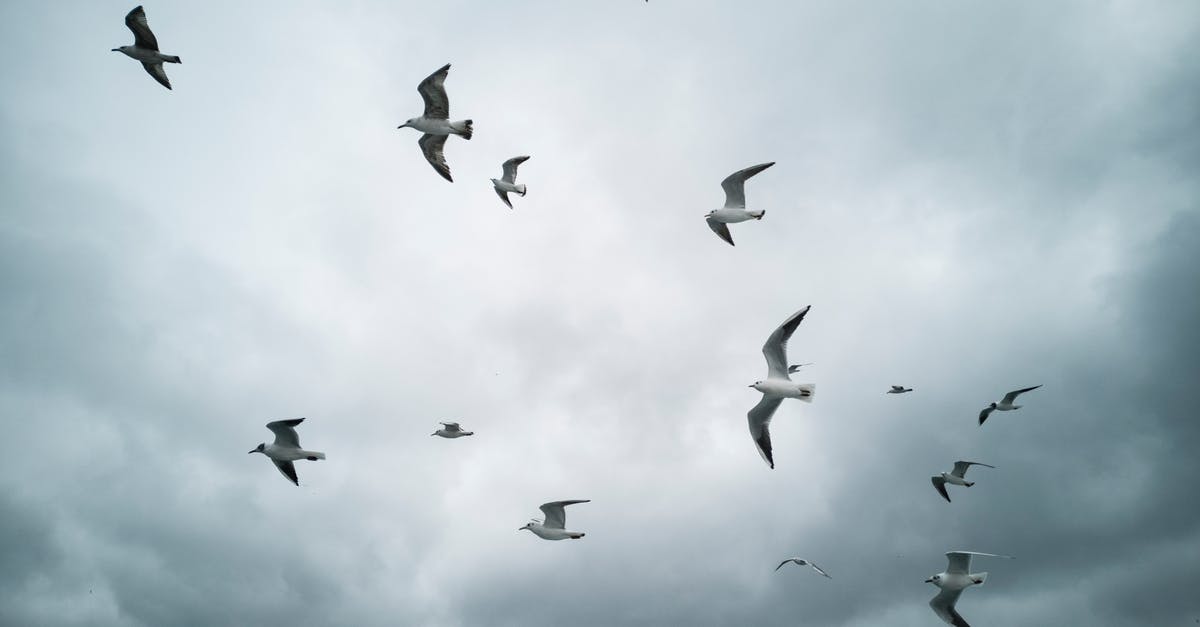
(973, 197)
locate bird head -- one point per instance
(755, 384)
(408, 123)
(934, 579)
(992, 405)
(258, 449)
(528, 525)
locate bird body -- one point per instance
(286, 448)
(898, 389)
(955, 477)
(1008, 403)
(554, 525)
(735, 210)
(435, 124)
(777, 386)
(451, 430)
(952, 582)
(145, 47)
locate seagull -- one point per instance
(435, 122)
(898, 389)
(286, 448)
(794, 368)
(556, 520)
(955, 476)
(802, 562)
(735, 203)
(451, 430)
(777, 386)
(508, 182)
(953, 582)
(1005, 404)
(145, 47)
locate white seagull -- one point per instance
(508, 181)
(898, 389)
(286, 448)
(735, 203)
(435, 122)
(953, 582)
(556, 520)
(956, 476)
(145, 47)
(451, 430)
(802, 562)
(777, 386)
(1005, 404)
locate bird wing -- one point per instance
(960, 467)
(819, 570)
(784, 562)
(960, 561)
(556, 513)
(451, 426)
(431, 147)
(897, 388)
(1012, 396)
(735, 184)
(759, 418)
(940, 484)
(285, 432)
(721, 229)
(943, 606)
(142, 36)
(288, 469)
(987, 411)
(775, 350)
(510, 169)
(503, 196)
(433, 92)
(156, 70)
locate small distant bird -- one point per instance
(952, 582)
(1005, 404)
(286, 448)
(956, 476)
(802, 562)
(777, 386)
(435, 122)
(508, 181)
(794, 368)
(898, 389)
(145, 47)
(556, 520)
(451, 430)
(735, 203)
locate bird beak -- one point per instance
(750, 386)
(930, 580)
(253, 451)
(116, 49)
(403, 125)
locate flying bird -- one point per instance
(735, 203)
(508, 181)
(435, 122)
(556, 520)
(451, 430)
(898, 389)
(145, 47)
(777, 386)
(802, 562)
(1005, 404)
(286, 448)
(956, 476)
(952, 582)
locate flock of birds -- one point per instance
(436, 126)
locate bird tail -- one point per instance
(522, 190)
(468, 433)
(173, 60)
(316, 455)
(970, 483)
(807, 391)
(465, 128)
(979, 578)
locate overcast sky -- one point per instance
(973, 197)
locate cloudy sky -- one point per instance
(973, 197)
